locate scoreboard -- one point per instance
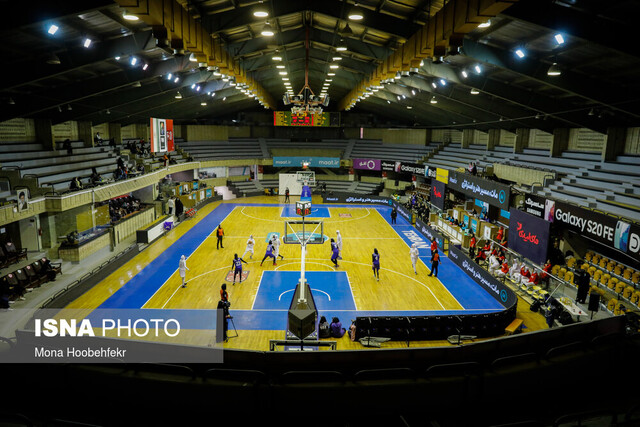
(307, 119)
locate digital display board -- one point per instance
(306, 119)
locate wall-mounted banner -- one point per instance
(366, 164)
(610, 231)
(534, 205)
(430, 172)
(438, 190)
(161, 133)
(496, 289)
(388, 165)
(314, 162)
(529, 235)
(492, 192)
(430, 233)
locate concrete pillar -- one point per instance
(493, 139)
(559, 142)
(467, 137)
(85, 134)
(614, 143)
(522, 139)
(115, 132)
(44, 133)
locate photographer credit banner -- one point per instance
(529, 235)
(607, 230)
(367, 164)
(438, 190)
(492, 192)
(496, 289)
(403, 167)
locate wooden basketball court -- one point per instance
(259, 303)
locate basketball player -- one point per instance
(249, 248)
(182, 269)
(276, 247)
(334, 253)
(375, 259)
(269, 254)
(236, 266)
(339, 243)
(414, 253)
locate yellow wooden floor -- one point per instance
(398, 289)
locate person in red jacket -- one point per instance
(503, 271)
(533, 279)
(500, 234)
(546, 271)
(524, 275)
(434, 246)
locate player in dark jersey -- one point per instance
(236, 266)
(334, 253)
(269, 254)
(375, 259)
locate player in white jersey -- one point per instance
(339, 243)
(250, 244)
(414, 256)
(276, 247)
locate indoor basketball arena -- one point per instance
(384, 212)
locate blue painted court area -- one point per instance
(331, 290)
(469, 294)
(289, 211)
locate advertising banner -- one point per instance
(529, 235)
(442, 175)
(604, 229)
(387, 165)
(438, 189)
(367, 164)
(314, 162)
(534, 205)
(342, 197)
(496, 289)
(492, 192)
(412, 168)
(161, 135)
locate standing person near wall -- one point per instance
(171, 205)
(286, 195)
(394, 215)
(435, 260)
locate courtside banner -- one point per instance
(430, 233)
(496, 289)
(342, 197)
(122, 335)
(492, 192)
(607, 230)
(367, 164)
(438, 189)
(529, 235)
(409, 168)
(314, 162)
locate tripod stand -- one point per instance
(230, 318)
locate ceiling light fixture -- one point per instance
(341, 46)
(520, 53)
(554, 70)
(478, 69)
(280, 66)
(334, 66)
(192, 57)
(144, 67)
(464, 74)
(355, 14)
(267, 31)
(53, 59)
(485, 24)
(129, 17)
(277, 58)
(178, 95)
(87, 42)
(331, 74)
(474, 91)
(203, 103)
(559, 38)
(433, 100)
(337, 58)
(260, 11)
(53, 29)
(133, 61)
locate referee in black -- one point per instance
(286, 195)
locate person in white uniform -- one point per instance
(276, 247)
(414, 256)
(494, 265)
(514, 271)
(182, 269)
(250, 244)
(339, 243)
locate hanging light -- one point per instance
(485, 24)
(193, 58)
(554, 70)
(260, 11)
(129, 17)
(267, 31)
(178, 95)
(433, 100)
(474, 91)
(341, 46)
(355, 14)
